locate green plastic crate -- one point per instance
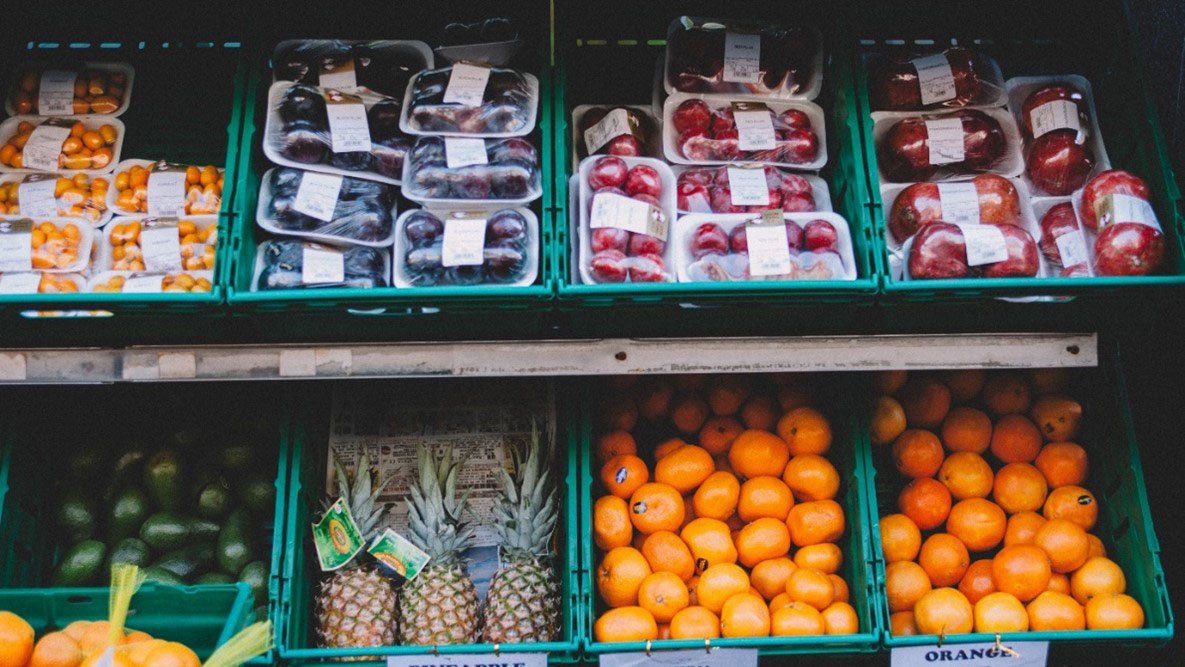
(1125, 519)
(857, 568)
(1035, 39)
(200, 617)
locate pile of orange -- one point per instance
(82, 644)
(992, 526)
(716, 514)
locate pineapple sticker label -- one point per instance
(337, 537)
(398, 555)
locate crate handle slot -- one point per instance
(79, 599)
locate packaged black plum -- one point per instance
(383, 66)
(327, 207)
(459, 248)
(468, 171)
(287, 264)
(471, 100)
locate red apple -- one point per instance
(999, 202)
(904, 154)
(609, 266)
(1057, 163)
(938, 251)
(916, 205)
(722, 119)
(647, 269)
(820, 235)
(798, 202)
(607, 172)
(700, 176)
(697, 147)
(792, 118)
(893, 82)
(643, 180)
(691, 115)
(1128, 249)
(709, 238)
(610, 238)
(738, 239)
(626, 145)
(794, 236)
(798, 147)
(1022, 256)
(1045, 95)
(693, 198)
(1057, 221)
(1113, 181)
(721, 200)
(644, 244)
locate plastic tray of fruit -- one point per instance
(983, 141)
(92, 147)
(41, 283)
(381, 66)
(781, 61)
(510, 176)
(298, 134)
(120, 247)
(510, 250)
(129, 282)
(635, 130)
(99, 89)
(508, 106)
(700, 129)
(281, 264)
(58, 245)
(955, 77)
(77, 196)
(203, 187)
(364, 212)
(1063, 146)
(494, 40)
(707, 190)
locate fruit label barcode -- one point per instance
(959, 202)
(945, 140)
(348, 127)
(16, 245)
(755, 127)
(467, 85)
(44, 146)
(500, 659)
(337, 75)
(742, 57)
(935, 78)
(143, 284)
(464, 151)
(37, 197)
(19, 283)
(613, 125)
(1071, 247)
(632, 215)
(747, 186)
(322, 265)
(166, 192)
(1055, 115)
(316, 196)
(985, 654)
(1116, 208)
(55, 96)
(161, 246)
(985, 244)
(716, 657)
(464, 242)
(769, 249)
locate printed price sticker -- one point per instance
(935, 78)
(986, 654)
(20, 283)
(55, 96)
(321, 265)
(166, 193)
(143, 284)
(945, 140)
(463, 152)
(502, 659)
(37, 197)
(16, 245)
(1126, 208)
(742, 57)
(985, 244)
(161, 246)
(639, 217)
(716, 657)
(316, 196)
(348, 127)
(747, 186)
(960, 203)
(1055, 115)
(44, 146)
(467, 85)
(1071, 247)
(464, 241)
(755, 127)
(769, 251)
(613, 125)
(338, 75)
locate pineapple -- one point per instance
(440, 605)
(356, 605)
(523, 604)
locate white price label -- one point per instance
(1126, 208)
(20, 283)
(502, 659)
(986, 654)
(1071, 247)
(716, 657)
(632, 215)
(748, 187)
(1055, 115)
(755, 130)
(316, 196)
(320, 265)
(613, 125)
(467, 85)
(985, 244)
(37, 198)
(44, 146)
(463, 152)
(16, 245)
(340, 76)
(348, 127)
(945, 140)
(143, 284)
(162, 247)
(742, 57)
(769, 250)
(959, 202)
(935, 78)
(166, 193)
(464, 241)
(55, 96)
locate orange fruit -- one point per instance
(744, 615)
(811, 587)
(720, 582)
(1062, 464)
(945, 559)
(623, 474)
(688, 413)
(967, 430)
(978, 523)
(136, 636)
(757, 453)
(137, 653)
(1065, 543)
(1022, 570)
(1022, 528)
(16, 640)
(769, 576)
(695, 623)
(965, 384)
(1073, 503)
(717, 434)
(653, 398)
(722, 464)
(710, 542)
(977, 581)
(55, 650)
(685, 468)
(620, 574)
(917, 453)
(76, 629)
(655, 507)
(663, 594)
(717, 497)
(1098, 576)
(638, 540)
(1055, 611)
(1015, 439)
(618, 413)
(811, 477)
(727, 394)
(760, 412)
(1019, 487)
(1114, 611)
(815, 522)
(888, 420)
(761, 540)
(806, 431)
(901, 624)
(943, 611)
(95, 638)
(1006, 393)
(889, 382)
(967, 475)
(690, 381)
(171, 654)
(664, 448)
(900, 538)
(1049, 380)
(797, 619)
(1000, 612)
(781, 600)
(613, 443)
(667, 552)
(842, 592)
(1058, 583)
(764, 496)
(827, 558)
(926, 402)
(1096, 546)
(905, 583)
(1057, 417)
(926, 502)
(794, 396)
(625, 624)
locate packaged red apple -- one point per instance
(459, 248)
(95, 88)
(942, 250)
(329, 208)
(381, 66)
(1064, 242)
(947, 146)
(985, 199)
(471, 100)
(39, 282)
(625, 210)
(1115, 205)
(750, 188)
(955, 77)
(1057, 118)
(624, 131)
(775, 245)
(733, 57)
(469, 172)
(715, 130)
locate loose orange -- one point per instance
(1058, 583)
(926, 502)
(945, 559)
(794, 396)
(770, 575)
(1065, 543)
(757, 453)
(1006, 393)
(826, 558)
(695, 622)
(717, 497)
(797, 619)
(806, 431)
(842, 592)
(653, 397)
(811, 587)
(172, 654)
(965, 384)
(614, 443)
(1055, 612)
(663, 594)
(781, 600)
(717, 434)
(710, 542)
(815, 522)
(623, 474)
(727, 394)
(900, 538)
(978, 523)
(618, 413)
(926, 402)
(764, 496)
(1015, 439)
(666, 447)
(685, 468)
(619, 576)
(55, 650)
(1019, 487)
(977, 581)
(95, 638)
(811, 477)
(1022, 570)
(16, 640)
(889, 382)
(840, 619)
(744, 615)
(967, 430)
(1000, 612)
(905, 583)
(944, 611)
(667, 552)
(1022, 528)
(1114, 611)
(720, 582)
(967, 475)
(1057, 417)
(761, 540)
(625, 624)
(888, 420)
(1073, 503)
(655, 507)
(1063, 464)
(1049, 380)
(917, 453)
(688, 413)
(76, 629)
(760, 412)
(1096, 546)
(137, 653)
(901, 624)
(1098, 576)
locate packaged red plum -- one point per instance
(470, 172)
(624, 131)
(954, 77)
(459, 248)
(949, 146)
(1063, 144)
(701, 130)
(471, 100)
(750, 188)
(626, 208)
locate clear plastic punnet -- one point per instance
(381, 66)
(295, 264)
(144, 243)
(949, 146)
(472, 172)
(471, 100)
(146, 187)
(1063, 145)
(36, 282)
(985, 199)
(327, 207)
(622, 130)
(89, 88)
(48, 244)
(718, 130)
(132, 282)
(57, 195)
(460, 248)
(67, 144)
(902, 80)
(757, 188)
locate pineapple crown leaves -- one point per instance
(435, 514)
(526, 516)
(361, 495)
